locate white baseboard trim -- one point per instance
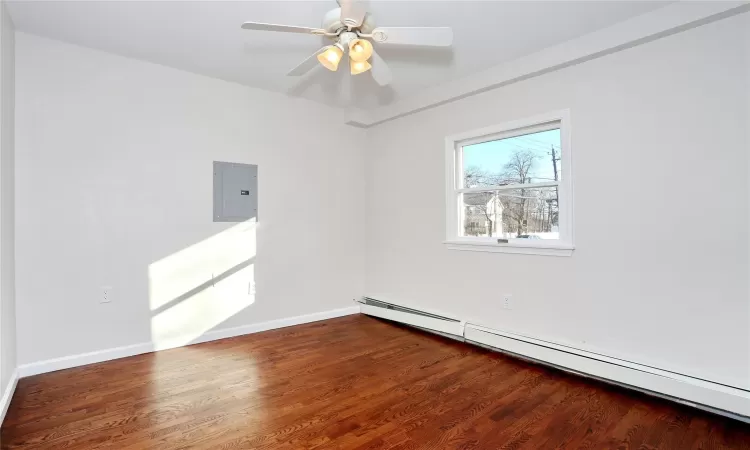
(82, 359)
(715, 397)
(8, 395)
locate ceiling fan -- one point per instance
(351, 27)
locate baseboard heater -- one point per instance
(422, 319)
(717, 398)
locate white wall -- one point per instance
(660, 271)
(747, 138)
(114, 188)
(7, 220)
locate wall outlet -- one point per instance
(106, 294)
(251, 288)
(507, 301)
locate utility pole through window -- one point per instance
(555, 159)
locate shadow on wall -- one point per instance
(201, 286)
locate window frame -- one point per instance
(454, 178)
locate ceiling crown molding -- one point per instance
(666, 21)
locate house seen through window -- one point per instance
(509, 186)
(515, 211)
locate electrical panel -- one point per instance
(235, 192)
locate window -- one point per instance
(509, 188)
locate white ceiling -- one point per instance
(205, 37)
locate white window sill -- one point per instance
(544, 249)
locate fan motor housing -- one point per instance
(332, 22)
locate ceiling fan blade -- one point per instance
(381, 73)
(426, 36)
(353, 12)
(347, 87)
(308, 64)
(283, 28)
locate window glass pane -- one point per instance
(531, 158)
(512, 214)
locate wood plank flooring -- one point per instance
(349, 383)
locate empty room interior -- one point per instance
(426, 224)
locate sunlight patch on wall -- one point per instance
(199, 313)
(199, 287)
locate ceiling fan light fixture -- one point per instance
(352, 29)
(331, 57)
(358, 67)
(360, 50)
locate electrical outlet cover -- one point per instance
(507, 301)
(106, 294)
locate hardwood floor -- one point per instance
(348, 383)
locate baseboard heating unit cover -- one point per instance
(718, 398)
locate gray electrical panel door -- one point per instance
(235, 192)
